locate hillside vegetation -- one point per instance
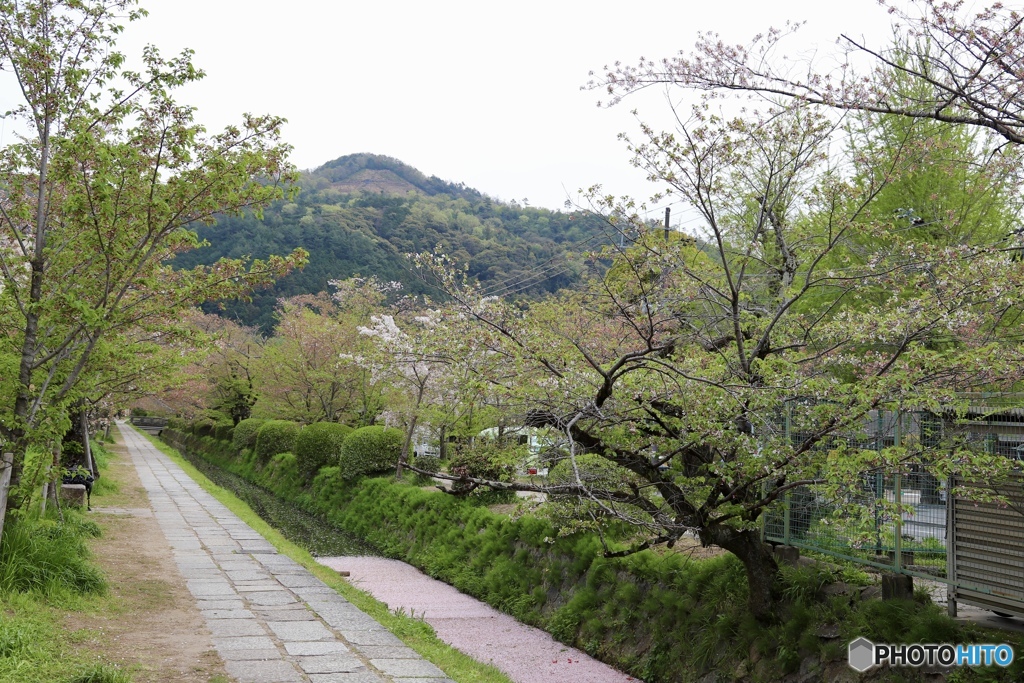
(361, 214)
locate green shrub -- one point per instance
(593, 470)
(244, 435)
(223, 431)
(370, 450)
(326, 482)
(428, 463)
(210, 426)
(319, 445)
(487, 460)
(276, 436)
(570, 512)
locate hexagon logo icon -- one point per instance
(861, 654)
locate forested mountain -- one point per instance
(360, 215)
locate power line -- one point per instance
(540, 269)
(538, 273)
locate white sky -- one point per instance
(479, 92)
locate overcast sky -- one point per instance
(486, 93)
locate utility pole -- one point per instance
(668, 211)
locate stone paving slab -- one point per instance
(315, 647)
(261, 655)
(277, 614)
(294, 631)
(270, 619)
(419, 668)
(333, 663)
(358, 677)
(267, 672)
(235, 627)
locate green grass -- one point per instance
(104, 485)
(44, 572)
(49, 557)
(102, 673)
(415, 633)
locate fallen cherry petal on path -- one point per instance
(467, 624)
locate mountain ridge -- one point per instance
(361, 213)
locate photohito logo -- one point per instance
(863, 654)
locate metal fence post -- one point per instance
(764, 515)
(897, 486)
(897, 490)
(785, 518)
(787, 506)
(950, 549)
(879, 484)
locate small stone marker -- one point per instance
(897, 587)
(787, 553)
(73, 494)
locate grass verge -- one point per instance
(45, 574)
(415, 633)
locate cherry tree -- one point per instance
(968, 62)
(790, 302)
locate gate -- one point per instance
(986, 551)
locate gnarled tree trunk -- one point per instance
(763, 575)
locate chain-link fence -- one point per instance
(866, 526)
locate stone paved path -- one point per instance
(272, 621)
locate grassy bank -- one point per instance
(658, 615)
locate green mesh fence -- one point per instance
(865, 526)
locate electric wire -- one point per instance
(540, 270)
(539, 273)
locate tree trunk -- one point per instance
(75, 440)
(404, 457)
(89, 464)
(763, 575)
(23, 401)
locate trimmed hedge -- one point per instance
(209, 427)
(224, 431)
(594, 470)
(274, 437)
(244, 435)
(370, 450)
(319, 445)
(486, 460)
